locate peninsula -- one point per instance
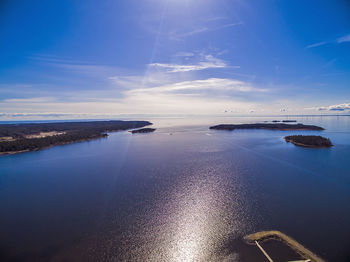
(274, 235)
(279, 126)
(17, 138)
(143, 130)
(309, 141)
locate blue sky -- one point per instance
(95, 58)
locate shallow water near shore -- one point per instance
(182, 193)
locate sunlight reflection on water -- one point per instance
(194, 220)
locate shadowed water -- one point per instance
(182, 193)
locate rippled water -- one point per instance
(182, 193)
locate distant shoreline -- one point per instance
(278, 126)
(131, 116)
(20, 138)
(43, 148)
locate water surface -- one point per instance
(182, 193)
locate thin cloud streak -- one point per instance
(344, 39)
(317, 44)
(198, 86)
(30, 100)
(179, 36)
(176, 68)
(208, 63)
(340, 40)
(184, 54)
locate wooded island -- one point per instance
(16, 138)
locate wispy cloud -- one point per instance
(30, 100)
(339, 40)
(338, 107)
(227, 25)
(175, 68)
(344, 39)
(176, 35)
(195, 87)
(208, 63)
(217, 18)
(184, 54)
(180, 35)
(137, 81)
(317, 44)
(87, 68)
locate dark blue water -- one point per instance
(182, 193)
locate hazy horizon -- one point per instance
(82, 117)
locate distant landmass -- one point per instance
(143, 130)
(309, 141)
(289, 121)
(279, 126)
(283, 121)
(16, 138)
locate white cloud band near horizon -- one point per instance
(189, 85)
(197, 86)
(339, 107)
(209, 62)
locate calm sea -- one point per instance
(182, 193)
